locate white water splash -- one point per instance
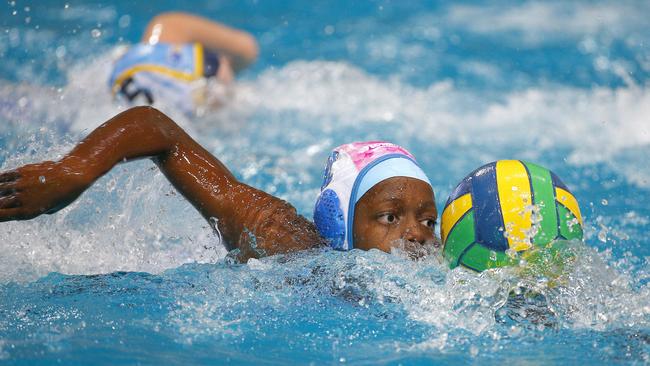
(595, 124)
(130, 225)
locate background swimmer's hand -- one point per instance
(36, 189)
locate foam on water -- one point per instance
(325, 99)
(337, 95)
(547, 118)
(324, 305)
(533, 23)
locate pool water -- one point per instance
(131, 274)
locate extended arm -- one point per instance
(245, 215)
(173, 27)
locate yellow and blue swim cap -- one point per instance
(351, 171)
(171, 73)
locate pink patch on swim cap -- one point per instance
(363, 153)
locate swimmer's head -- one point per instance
(375, 195)
(185, 77)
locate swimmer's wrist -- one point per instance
(80, 171)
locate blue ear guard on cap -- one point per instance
(329, 219)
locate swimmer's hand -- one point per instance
(41, 188)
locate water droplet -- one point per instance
(60, 51)
(41, 179)
(515, 188)
(604, 202)
(514, 331)
(96, 33)
(110, 186)
(523, 263)
(542, 281)
(473, 351)
(125, 21)
(493, 255)
(214, 222)
(602, 236)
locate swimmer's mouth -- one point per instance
(415, 250)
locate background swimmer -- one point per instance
(389, 199)
(183, 60)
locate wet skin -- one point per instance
(237, 47)
(396, 211)
(250, 220)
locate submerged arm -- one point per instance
(244, 213)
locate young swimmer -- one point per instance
(374, 194)
(182, 60)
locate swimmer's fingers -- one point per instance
(7, 190)
(9, 202)
(11, 206)
(9, 176)
(10, 188)
(18, 206)
(36, 189)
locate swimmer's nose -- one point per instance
(416, 232)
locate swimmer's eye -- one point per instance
(388, 218)
(430, 223)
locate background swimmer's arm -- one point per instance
(247, 217)
(174, 27)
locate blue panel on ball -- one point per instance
(558, 183)
(487, 209)
(462, 188)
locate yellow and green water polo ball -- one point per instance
(504, 207)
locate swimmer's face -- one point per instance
(396, 210)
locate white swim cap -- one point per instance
(351, 171)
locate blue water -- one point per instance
(131, 274)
